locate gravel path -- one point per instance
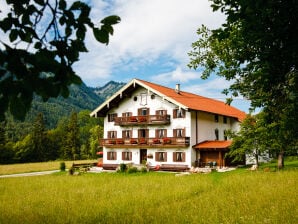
(29, 174)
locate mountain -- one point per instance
(80, 98)
(108, 89)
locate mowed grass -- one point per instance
(35, 167)
(233, 197)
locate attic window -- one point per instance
(152, 96)
(135, 98)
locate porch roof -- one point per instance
(213, 145)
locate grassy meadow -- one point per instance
(35, 167)
(239, 196)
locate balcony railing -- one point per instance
(146, 142)
(140, 120)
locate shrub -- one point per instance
(132, 169)
(62, 166)
(123, 167)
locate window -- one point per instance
(179, 133)
(111, 117)
(225, 135)
(143, 111)
(160, 133)
(112, 156)
(179, 156)
(126, 155)
(216, 134)
(126, 134)
(112, 134)
(126, 114)
(178, 113)
(225, 120)
(161, 112)
(216, 118)
(161, 156)
(143, 133)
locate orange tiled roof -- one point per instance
(213, 145)
(196, 102)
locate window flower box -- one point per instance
(120, 141)
(166, 141)
(150, 156)
(142, 119)
(112, 142)
(133, 119)
(133, 141)
(156, 141)
(143, 141)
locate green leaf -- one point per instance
(62, 4)
(40, 2)
(13, 35)
(101, 35)
(111, 20)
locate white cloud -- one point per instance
(149, 29)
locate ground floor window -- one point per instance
(179, 156)
(112, 156)
(161, 156)
(126, 156)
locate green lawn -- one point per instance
(239, 196)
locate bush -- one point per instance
(123, 167)
(132, 169)
(62, 166)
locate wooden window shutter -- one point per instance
(123, 155)
(140, 111)
(183, 132)
(174, 156)
(165, 133)
(130, 155)
(175, 132)
(175, 113)
(183, 157)
(147, 133)
(165, 157)
(156, 156)
(156, 133)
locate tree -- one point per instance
(256, 48)
(251, 140)
(72, 139)
(45, 38)
(39, 140)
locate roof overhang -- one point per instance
(126, 91)
(213, 145)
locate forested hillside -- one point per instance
(58, 129)
(80, 98)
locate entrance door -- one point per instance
(143, 155)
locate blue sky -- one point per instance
(151, 43)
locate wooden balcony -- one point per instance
(167, 142)
(141, 120)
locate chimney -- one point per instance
(177, 88)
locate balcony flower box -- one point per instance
(120, 142)
(143, 141)
(112, 142)
(142, 119)
(156, 141)
(133, 119)
(166, 141)
(133, 141)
